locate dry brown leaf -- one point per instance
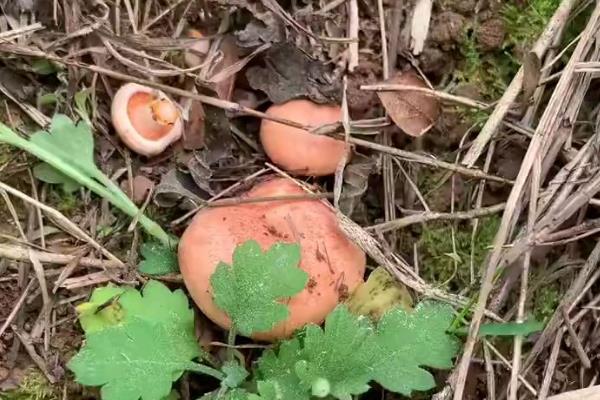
(141, 187)
(193, 134)
(224, 87)
(414, 112)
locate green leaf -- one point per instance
(507, 328)
(250, 289)
(82, 99)
(42, 66)
(69, 148)
(159, 259)
(407, 341)
(93, 316)
(235, 374)
(340, 354)
(142, 355)
(71, 142)
(340, 359)
(48, 174)
(278, 368)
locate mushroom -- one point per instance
(335, 265)
(145, 119)
(193, 56)
(297, 150)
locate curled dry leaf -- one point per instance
(193, 134)
(414, 112)
(356, 182)
(175, 187)
(224, 82)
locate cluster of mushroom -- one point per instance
(148, 122)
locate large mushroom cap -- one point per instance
(297, 150)
(334, 264)
(145, 119)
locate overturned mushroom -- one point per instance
(145, 119)
(335, 265)
(299, 151)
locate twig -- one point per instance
(546, 131)
(512, 91)
(434, 216)
(591, 393)
(16, 307)
(585, 360)
(550, 367)
(389, 185)
(489, 369)
(353, 27)
(22, 254)
(39, 361)
(570, 299)
(62, 220)
(219, 195)
(518, 340)
(161, 15)
(24, 30)
(390, 261)
(407, 155)
(507, 364)
(390, 87)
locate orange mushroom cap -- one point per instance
(297, 150)
(145, 119)
(335, 265)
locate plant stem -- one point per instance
(203, 369)
(231, 342)
(99, 184)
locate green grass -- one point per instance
(546, 299)
(491, 72)
(524, 23)
(442, 264)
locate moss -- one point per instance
(442, 264)
(492, 71)
(546, 299)
(524, 23)
(64, 202)
(33, 387)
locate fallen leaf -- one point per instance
(141, 187)
(413, 112)
(356, 181)
(258, 32)
(224, 85)
(175, 187)
(193, 134)
(288, 74)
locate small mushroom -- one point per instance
(297, 150)
(194, 55)
(145, 119)
(335, 265)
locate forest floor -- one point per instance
(473, 179)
